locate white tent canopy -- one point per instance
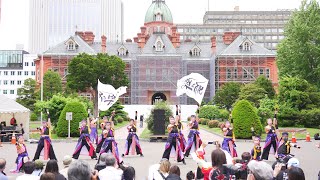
(10, 108)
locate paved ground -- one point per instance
(308, 155)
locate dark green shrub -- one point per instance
(119, 112)
(244, 117)
(310, 118)
(119, 119)
(78, 114)
(213, 123)
(209, 112)
(33, 117)
(159, 105)
(199, 120)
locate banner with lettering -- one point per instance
(108, 95)
(194, 85)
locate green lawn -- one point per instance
(299, 135)
(35, 124)
(146, 133)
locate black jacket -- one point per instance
(173, 177)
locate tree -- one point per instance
(266, 84)
(27, 94)
(244, 117)
(79, 113)
(51, 84)
(159, 105)
(119, 112)
(227, 95)
(56, 104)
(266, 109)
(85, 70)
(252, 93)
(298, 54)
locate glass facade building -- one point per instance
(11, 59)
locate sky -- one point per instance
(15, 15)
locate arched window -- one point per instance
(122, 51)
(246, 46)
(159, 46)
(71, 46)
(195, 51)
(158, 17)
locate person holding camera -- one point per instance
(84, 140)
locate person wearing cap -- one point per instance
(39, 167)
(284, 146)
(45, 142)
(102, 162)
(280, 172)
(67, 160)
(256, 151)
(259, 170)
(84, 140)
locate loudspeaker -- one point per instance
(159, 122)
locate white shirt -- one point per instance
(110, 173)
(64, 172)
(154, 173)
(28, 177)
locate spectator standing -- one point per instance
(174, 173)
(67, 160)
(2, 167)
(129, 173)
(52, 167)
(102, 162)
(28, 168)
(80, 170)
(111, 172)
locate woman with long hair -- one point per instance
(219, 172)
(132, 144)
(52, 167)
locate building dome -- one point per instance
(158, 11)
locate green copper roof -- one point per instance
(158, 6)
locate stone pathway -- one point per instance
(204, 135)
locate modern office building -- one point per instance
(52, 21)
(15, 67)
(0, 10)
(156, 59)
(264, 27)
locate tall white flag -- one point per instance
(108, 95)
(194, 85)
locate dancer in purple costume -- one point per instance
(194, 140)
(228, 141)
(272, 139)
(133, 140)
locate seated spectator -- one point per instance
(296, 173)
(159, 171)
(102, 162)
(259, 170)
(174, 173)
(80, 170)
(190, 175)
(281, 170)
(219, 171)
(242, 166)
(39, 167)
(2, 167)
(52, 167)
(111, 171)
(28, 168)
(129, 173)
(47, 176)
(67, 160)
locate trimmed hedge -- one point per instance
(213, 123)
(244, 117)
(209, 112)
(78, 114)
(33, 117)
(205, 121)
